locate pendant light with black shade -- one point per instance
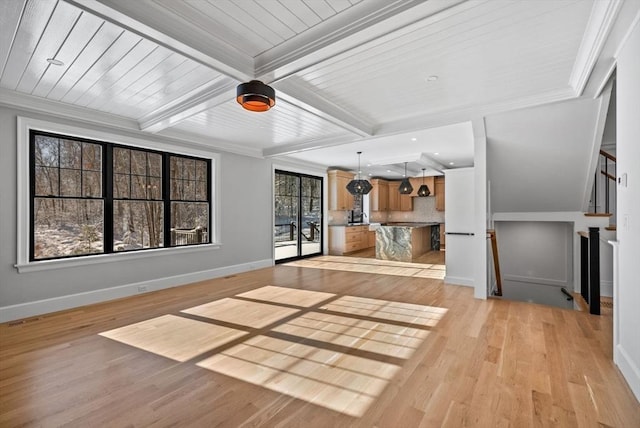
(424, 189)
(405, 186)
(358, 186)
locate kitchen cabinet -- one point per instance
(439, 191)
(339, 197)
(397, 201)
(379, 195)
(347, 239)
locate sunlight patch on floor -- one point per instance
(174, 337)
(375, 266)
(241, 312)
(345, 383)
(338, 352)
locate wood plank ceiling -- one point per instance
(344, 70)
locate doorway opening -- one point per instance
(297, 216)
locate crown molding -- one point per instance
(601, 21)
(55, 108)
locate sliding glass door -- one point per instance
(298, 216)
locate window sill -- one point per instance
(108, 258)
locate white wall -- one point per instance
(459, 218)
(246, 237)
(627, 351)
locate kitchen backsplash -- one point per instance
(424, 210)
(338, 217)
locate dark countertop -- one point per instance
(410, 224)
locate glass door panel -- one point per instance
(298, 216)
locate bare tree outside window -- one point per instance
(68, 208)
(92, 197)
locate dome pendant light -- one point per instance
(405, 187)
(255, 96)
(359, 187)
(424, 189)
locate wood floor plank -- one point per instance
(369, 345)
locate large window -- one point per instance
(90, 197)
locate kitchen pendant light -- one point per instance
(358, 186)
(424, 189)
(405, 187)
(255, 96)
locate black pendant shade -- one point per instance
(424, 189)
(255, 96)
(358, 186)
(405, 186)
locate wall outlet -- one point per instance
(142, 289)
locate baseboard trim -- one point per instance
(55, 304)
(606, 288)
(458, 280)
(629, 370)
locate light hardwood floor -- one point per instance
(295, 346)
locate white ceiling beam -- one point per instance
(294, 92)
(429, 162)
(203, 98)
(362, 23)
(147, 20)
(287, 149)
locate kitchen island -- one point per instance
(404, 241)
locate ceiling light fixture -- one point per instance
(255, 96)
(358, 186)
(424, 189)
(405, 187)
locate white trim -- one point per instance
(629, 370)
(25, 124)
(458, 280)
(558, 283)
(30, 309)
(601, 21)
(606, 288)
(110, 258)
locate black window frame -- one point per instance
(108, 195)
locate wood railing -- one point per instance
(590, 268)
(198, 235)
(609, 176)
(491, 234)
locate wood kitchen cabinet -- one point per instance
(339, 197)
(439, 190)
(347, 239)
(397, 201)
(379, 195)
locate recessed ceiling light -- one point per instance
(414, 139)
(451, 163)
(432, 78)
(368, 164)
(436, 153)
(54, 61)
(388, 170)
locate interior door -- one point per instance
(297, 215)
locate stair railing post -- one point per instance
(584, 268)
(594, 270)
